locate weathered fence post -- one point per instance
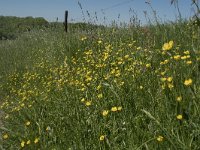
(66, 22)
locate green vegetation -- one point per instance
(12, 26)
(112, 88)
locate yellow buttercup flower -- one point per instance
(163, 79)
(188, 82)
(88, 103)
(99, 42)
(179, 98)
(7, 116)
(105, 112)
(188, 56)
(22, 144)
(83, 99)
(5, 136)
(48, 128)
(28, 142)
(119, 108)
(179, 117)
(170, 85)
(100, 95)
(183, 57)
(163, 73)
(166, 61)
(148, 65)
(27, 123)
(168, 46)
(169, 79)
(130, 45)
(114, 109)
(177, 57)
(160, 138)
(36, 140)
(98, 87)
(186, 52)
(102, 137)
(83, 38)
(189, 62)
(126, 56)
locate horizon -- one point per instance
(99, 12)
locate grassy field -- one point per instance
(106, 88)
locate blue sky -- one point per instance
(51, 9)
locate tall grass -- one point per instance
(114, 88)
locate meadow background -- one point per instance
(121, 86)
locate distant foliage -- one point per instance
(12, 26)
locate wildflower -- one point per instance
(179, 117)
(119, 108)
(177, 57)
(188, 62)
(163, 73)
(88, 78)
(83, 38)
(22, 105)
(183, 57)
(36, 140)
(166, 61)
(120, 62)
(28, 142)
(188, 56)
(188, 82)
(27, 123)
(186, 52)
(117, 74)
(83, 99)
(105, 112)
(141, 87)
(148, 65)
(100, 95)
(22, 144)
(88, 103)
(7, 116)
(179, 98)
(168, 46)
(102, 137)
(114, 109)
(98, 87)
(122, 83)
(170, 86)
(88, 52)
(5, 136)
(48, 128)
(130, 45)
(160, 138)
(169, 79)
(163, 79)
(163, 86)
(106, 55)
(83, 89)
(161, 63)
(126, 56)
(99, 42)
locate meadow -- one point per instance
(133, 87)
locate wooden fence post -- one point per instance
(66, 21)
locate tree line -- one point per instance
(11, 27)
